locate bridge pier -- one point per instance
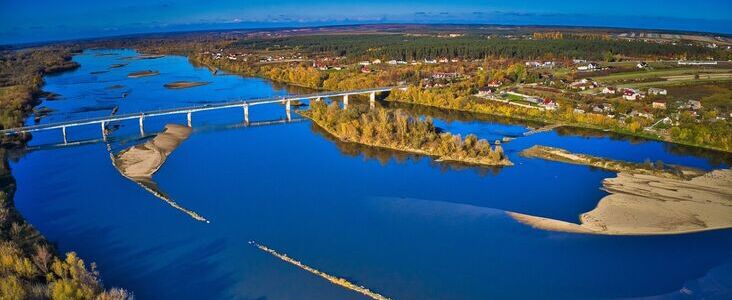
(345, 101)
(287, 110)
(189, 119)
(104, 132)
(246, 113)
(63, 131)
(142, 126)
(372, 100)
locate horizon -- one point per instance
(26, 24)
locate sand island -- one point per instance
(184, 84)
(138, 163)
(139, 74)
(646, 201)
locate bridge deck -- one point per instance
(189, 109)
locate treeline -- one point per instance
(396, 130)
(21, 78)
(307, 76)
(402, 47)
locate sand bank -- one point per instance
(143, 74)
(184, 84)
(641, 204)
(138, 163)
(561, 155)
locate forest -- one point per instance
(408, 47)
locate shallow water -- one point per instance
(401, 225)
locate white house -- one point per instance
(657, 91)
(609, 90)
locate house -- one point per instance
(589, 67)
(485, 91)
(694, 104)
(601, 108)
(609, 90)
(430, 61)
(583, 84)
(549, 104)
(365, 63)
(631, 95)
(445, 75)
(659, 104)
(392, 62)
(444, 60)
(636, 113)
(657, 91)
(642, 65)
(538, 64)
(494, 83)
(376, 61)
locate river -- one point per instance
(401, 225)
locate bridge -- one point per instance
(242, 104)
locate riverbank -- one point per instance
(396, 131)
(641, 204)
(651, 168)
(555, 123)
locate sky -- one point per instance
(47, 20)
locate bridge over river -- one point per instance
(242, 104)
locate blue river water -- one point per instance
(402, 225)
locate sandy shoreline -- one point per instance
(641, 204)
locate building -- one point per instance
(365, 63)
(589, 67)
(657, 91)
(694, 104)
(445, 75)
(659, 104)
(392, 62)
(549, 104)
(430, 61)
(583, 84)
(495, 83)
(631, 95)
(642, 65)
(485, 91)
(609, 90)
(376, 61)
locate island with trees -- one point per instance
(396, 130)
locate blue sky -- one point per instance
(42, 20)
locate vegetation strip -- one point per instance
(657, 168)
(397, 131)
(333, 279)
